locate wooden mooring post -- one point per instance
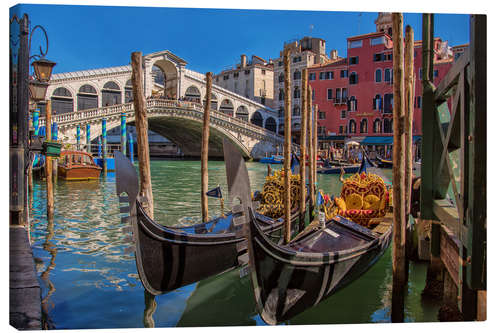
(303, 134)
(141, 125)
(287, 146)
(310, 153)
(48, 163)
(399, 221)
(204, 148)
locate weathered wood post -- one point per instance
(141, 124)
(409, 96)
(399, 225)
(315, 149)
(204, 148)
(48, 162)
(310, 153)
(287, 145)
(303, 153)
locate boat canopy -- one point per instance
(384, 140)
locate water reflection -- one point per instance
(149, 309)
(52, 249)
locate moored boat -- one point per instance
(275, 159)
(77, 165)
(288, 279)
(383, 163)
(168, 258)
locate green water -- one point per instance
(88, 276)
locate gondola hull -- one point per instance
(337, 170)
(287, 280)
(168, 258)
(384, 164)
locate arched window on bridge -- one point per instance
(213, 102)
(111, 94)
(192, 95)
(87, 98)
(256, 119)
(129, 92)
(227, 107)
(242, 113)
(62, 101)
(271, 124)
(377, 126)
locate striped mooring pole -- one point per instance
(104, 147)
(78, 133)
(87, 133)
(36, 122)
(123, 132)
(54, 131)
(99, 152)
(131, 147)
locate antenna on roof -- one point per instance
(359, 23)
(311, 27)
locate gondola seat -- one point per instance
(363, 197)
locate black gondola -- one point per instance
(288, 279)
(382, 163)
(168, 258)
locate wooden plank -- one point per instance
(449, 253)
(447, 214)
(451, 78)
(481, 305)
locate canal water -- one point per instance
(87, 271)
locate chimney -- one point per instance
(243, 61)
(334, 54)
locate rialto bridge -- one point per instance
(174, 107)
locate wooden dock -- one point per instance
(24, 294)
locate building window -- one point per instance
(328, 75)
(343, 114)
(377, 40)
(337, 95)
(388, 103)
(281, 77)
(312, 76)
(226, 77)
(344, 95)
(436, 73)
(353, 104)
(378, 75)
(264, 71)
(378, 57)
(247, 71)
(352, 126)
(343, 73)
(296, 75)
(387, 75)
(281, 95)
(355, 44)
(377, 126)
(321, 115)
(341, 129)
(313, 94)
(420, 73)
(354, 60)
(363, 126)
(353, 78)
(388, 56)
(387, 125)
(321, 130)
(296, 92)
(377, 102)
(281, 112)
(236, 74)
(418, 102)
(297, 59)
(329, 93)
(296, 111)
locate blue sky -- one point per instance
(85, 37)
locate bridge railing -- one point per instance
(114, 110)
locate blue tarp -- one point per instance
(384, 140)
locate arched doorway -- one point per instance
(270, 124)
(111, 94)
(192, 95)
(227, 107)
(62, 101)
(242, 113)
(256, 119)
(164, 76)
(87, 98)
(129, 93)
(387, 125)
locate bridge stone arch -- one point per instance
(271, 124)
(242, 113)
(111, 93)
(62, 99)
(87, 97)
(257, 119)
(170, 78)
(227, 107)
(214, 101)
(193, 94)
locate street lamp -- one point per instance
(43, 71)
